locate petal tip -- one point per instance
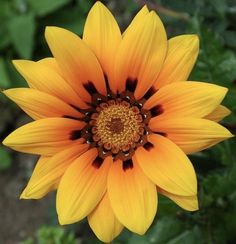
(25, 195)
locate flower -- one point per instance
(114, 120)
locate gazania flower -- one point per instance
(114, 120)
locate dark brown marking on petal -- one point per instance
(150, 92)
(97, 162)
(70, 117)
(75, 107)
(128, 164)
(90, 88)
(75, 134)
(131, 84)
(161, 134)
(157, 110)
(107, 82)
(148, 146)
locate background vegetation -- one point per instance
(22, 37)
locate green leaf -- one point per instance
(44, 7)
(4, 78)
(188, 237)
(215, 63)
(21, 30)
(5, 159)
(160, 233)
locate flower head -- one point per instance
(114, 120)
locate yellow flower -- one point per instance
(114, 120)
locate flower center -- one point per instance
(117, 125)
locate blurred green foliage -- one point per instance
(52, 235)
(21, 36)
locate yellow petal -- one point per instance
(191, 134)
(51, 63)
(102, 35)
(44, 136)
(41, 76)
(39, 104)
(218, 114)
(181, 56)
(103, 221)
(49, 170)
(82, 187)
(191, 99)
(189, 203)
(140, 55)
(137, 19)
(133, 197)
(167, 166)
(77, 62)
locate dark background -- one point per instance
(22, 37)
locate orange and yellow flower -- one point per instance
(114, 119)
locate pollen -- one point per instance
(118, 126)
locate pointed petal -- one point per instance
(78, 63)
(41, 76)
(191, 134)
(191, 99)
(167, 166)
(39, 104)
(133, 197)
(189, 203)
(103, 221)
(49, 170)
(44, 136)
(180, 59)
(140, 55)
(102, 35)
(51, 63)
(218, 114)
(137, 19)
(82, 187)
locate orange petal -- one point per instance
(167, 166)
(218, 114)
(181, 56)
(77, 62)
(191, 99)
(39, 104)
(42, 76)
(133, 197)
(44, 136)
(102, 35)
(191, 134)
(49, 170)
(103, 221)
(137, 19)
(82, 187)
(189, 203)
(140, 55)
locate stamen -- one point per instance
(117, 124)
